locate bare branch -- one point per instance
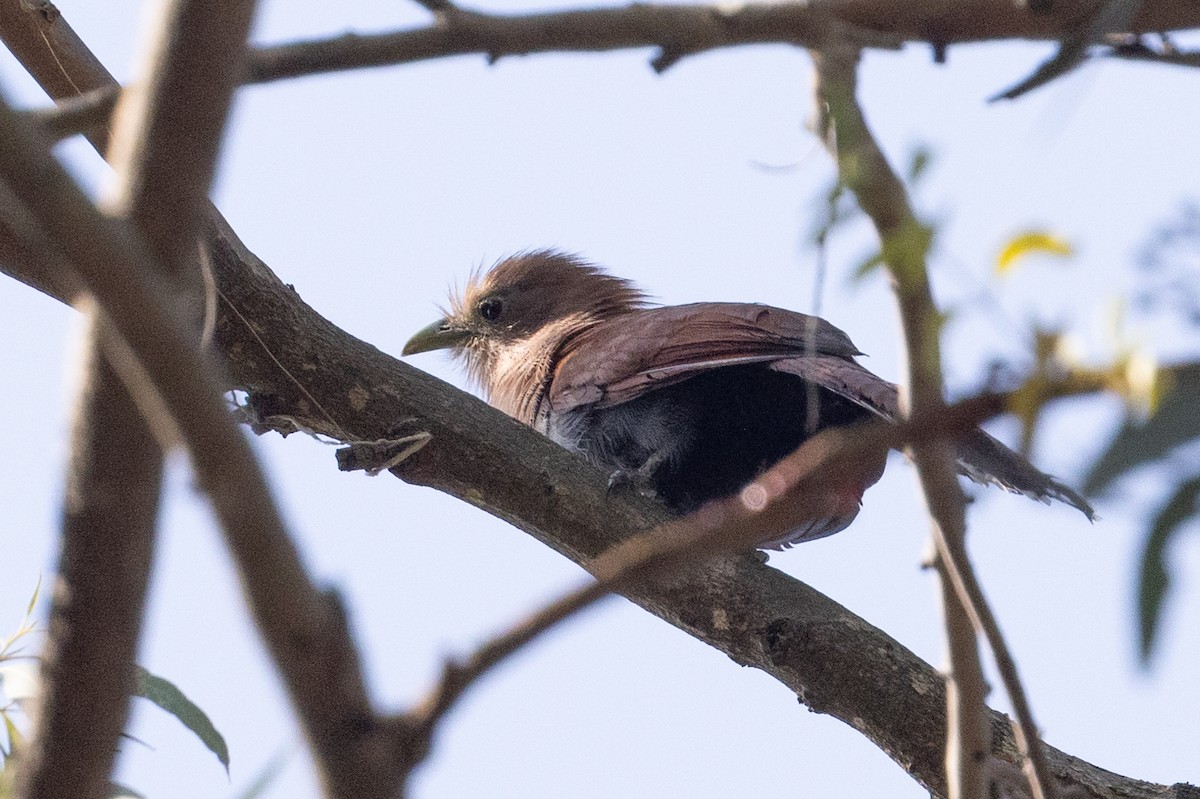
(1112, 16)
(678, 31)
(48, 48)
(168, 124)
(1135, 48)
(865, 171)
(110, 508)
(88, 113)
(675, 30)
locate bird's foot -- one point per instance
(634, 481)
(639, 480)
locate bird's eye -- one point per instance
(490, 309)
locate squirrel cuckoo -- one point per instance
(693, 401)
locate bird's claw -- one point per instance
(632, 480)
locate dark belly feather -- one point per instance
(717, 430)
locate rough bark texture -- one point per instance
(109, 515)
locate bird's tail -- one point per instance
(985, 460)
(980, 457)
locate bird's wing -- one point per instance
(622, 358)
(845, 377)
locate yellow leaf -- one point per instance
(1031, 242)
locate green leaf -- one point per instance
(868, 266)
(1175, 422)
(1155, 578)
(15, 740)
(164, 694)
(1030, 242)
(918, 163)
(37, 590)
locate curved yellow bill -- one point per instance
(438, 336)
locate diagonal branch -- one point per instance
(1112, 16)
(87, 113)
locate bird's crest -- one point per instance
(565, 284)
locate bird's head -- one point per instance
(522, 308)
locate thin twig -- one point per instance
(882, 196)
(75, 115)
(791, 493)
(1111, 16)
(1137, 50)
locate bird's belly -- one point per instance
(712, 433)
(626, 436)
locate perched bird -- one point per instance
(693, 401)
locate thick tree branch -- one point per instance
(168, 124)
(681, 30)
(794, 491)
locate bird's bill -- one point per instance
(438, 336)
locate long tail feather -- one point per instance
(985, 460)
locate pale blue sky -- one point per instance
(371, 192)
